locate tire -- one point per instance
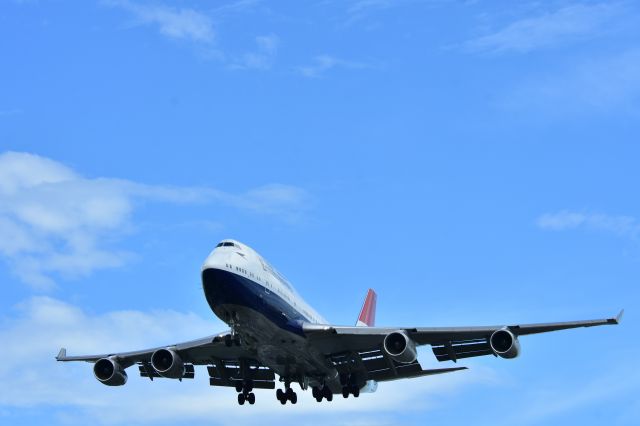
(241, 398)
(345, 392)
(293, 398)
(279, 394)
(251, 398)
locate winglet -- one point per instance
(616, 319)
(61, 355)
(619, 317)
(367, 316)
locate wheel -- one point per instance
(238, 387)
(288, 393)
(327, 393)
(356, 391)
(227, 341)
(279, 394)
(251, 398)
(319, 398)
(283, 401)
(241, 398)
(345, 392)
(315, 392)
(236, 340)
(248, 385)
(293, 398)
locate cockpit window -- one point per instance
(226, 244)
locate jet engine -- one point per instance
(400, 347)
(109, 372)
(168, 364)
(504, 343)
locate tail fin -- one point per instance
(367, 316)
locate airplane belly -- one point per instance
(265, 323)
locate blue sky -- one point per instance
(476, 162)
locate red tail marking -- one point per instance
(368, 312)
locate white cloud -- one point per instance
(54, 221)
(567, 24)
(183, 23)
(324, 63)
(551, 399)
(263, 57)
(606, 84)
(7, 112)
(623, 226)
(43, 324)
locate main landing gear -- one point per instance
(322, 393)
(230, 340)
(287, 395)
(354, 390)
(244, 392)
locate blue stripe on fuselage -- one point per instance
(227, 288)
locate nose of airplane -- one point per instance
(215, 260)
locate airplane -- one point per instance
(273, 331)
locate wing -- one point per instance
(448, 343)
(225, 364)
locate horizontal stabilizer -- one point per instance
(62, 354)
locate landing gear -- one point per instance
(322, 393)
(353, 390)
(245, 394)
(349, 385)
(232, 339)
(287, 395)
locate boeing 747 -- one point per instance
(273, 331)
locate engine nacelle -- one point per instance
(168, 364)
(504, 343)
(400, 347)
(109, 372)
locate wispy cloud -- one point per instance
(549, 400)
(623, 226)
(41, 325)
(568, 24)
(610, 83)
(176, 23)
(263, 57)
(322, 64)
(55, 221)
(13, 111)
